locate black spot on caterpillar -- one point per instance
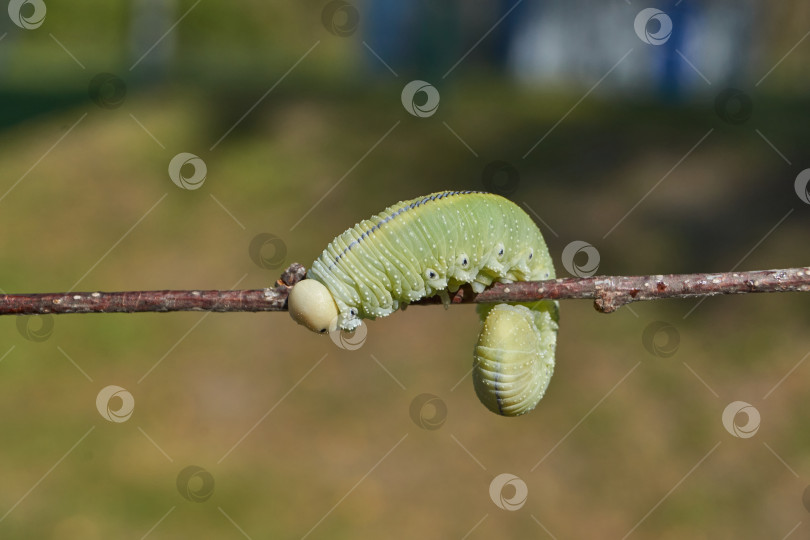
(431, 245)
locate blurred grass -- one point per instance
(319, 441)
(219, 374)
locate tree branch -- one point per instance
(608, 292)
(612, 292)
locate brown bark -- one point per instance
(608, 292)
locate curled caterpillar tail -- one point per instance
(514, 357)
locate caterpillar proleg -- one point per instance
(431, 246)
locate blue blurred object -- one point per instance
(671, 75)
(572, 43)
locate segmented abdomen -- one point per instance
(419, 247)
(514, 358)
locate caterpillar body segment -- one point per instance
(514, 357)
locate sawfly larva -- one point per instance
(431, 246)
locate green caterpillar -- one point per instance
(431, 246)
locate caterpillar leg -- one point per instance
(514, 357)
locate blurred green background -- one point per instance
(302, 438)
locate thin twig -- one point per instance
(608, 292)
(612, 292)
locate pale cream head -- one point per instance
(311, 304)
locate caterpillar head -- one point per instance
(311, 304)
